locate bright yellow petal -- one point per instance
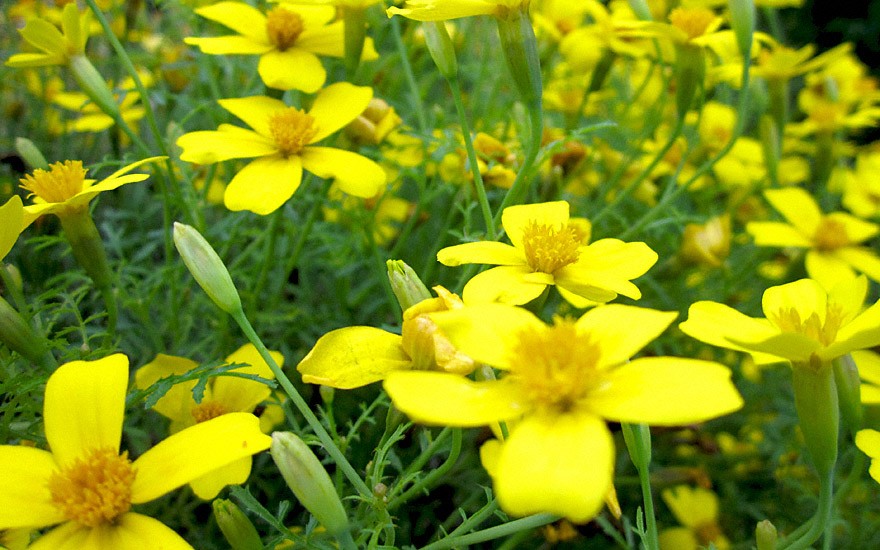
(352, 357)
(355, 174)
(443, 399)
(508, 284)
(487, 332)
(622, 331)
(209, 485)
(264, 185)
(293, 69)
(238, 16)
(195, 451)
(29, 60)
(860, 333)
(483, 252)
(514, 219)
(85, 401)
(239, 394)
(434, 10)
(715, 324)
(868, 363)
(869, 442)
(665, 391)
(804, 296)
(24, 495)
(691, 506)
(226, 45)
(797, 206)
(337, 105)
(255, 111)
(862, 259)
(44, 36)
(130, 532)
(11, 224)
(777, 234)
(857, 230)
(607, 264)
(561, 464)
(327, 40)
(227, 142)
(828, 268)
(178, 402)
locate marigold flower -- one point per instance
(282, 140)
(550, 249)
(88, 486)
(56, 47)
(560, 383)
(697, 511)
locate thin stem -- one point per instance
(269, 257)
(822, 517)
(493, 533)
(434, 475)
(415, 93)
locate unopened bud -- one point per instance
(765, 535)
(742, 20)
(849, 395)
(441, 48)
(405, 284)
(238, 530)
(207, 268)
(30, 153)
(93, 85)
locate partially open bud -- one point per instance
(406, 285)
(237, 529)
(707, 244)
(374, 124)
(207, 268)
(423, 341)
(308, 480)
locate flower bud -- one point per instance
(765, 535)
(238, 530)
(815, 399)
(207, 268)
(405, 284)
(18, 336)
(707, 244)
(86, 244)
(93, 85)
(440, 47)
(308, 480)
(846, 378)
(30, 153)
(742, 20)
(425, 343)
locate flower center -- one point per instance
(556, 366)
(693, 22)
(208, 409)
(61, 182)
(830, 235)
(708, 532)
(283, 27)
(549, 248)
(292, 129)
(789, 320)
(96, 489)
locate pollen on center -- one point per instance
(292, 129)
(62, 181)
(208, 409)
(283, 27)
(556, 366)
(549, 247)
(830, 235)
(95, 490)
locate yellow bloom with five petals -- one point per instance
(282, 140)
(88, 486)
(560, 383)
(56, 47)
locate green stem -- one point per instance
(820, 520)
(638, 442)
(269, 257)
(303, 407)
(434, 475)
(492, 533)
(415, 93)
(345, 540)
(304, 231)
(455, 85)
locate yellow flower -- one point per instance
(869, 442)
(92, 118)
(352, 357)
(561, 383)
(288, 40)
(64, 187)
(439, 10)
(88, 486)
(550, 249)
(697, 510)
(707, 244)
(861, 186)
(11, 224)
(222, 395)
(282, 138)
(57, 47)
(834, 241)
(804, 323)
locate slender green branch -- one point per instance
(492, 533)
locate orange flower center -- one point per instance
(283, 27)
(830, 235)
(694, 21)
(708, 532)
(292, 129)
(556, 366)
(95, 490)
(549, 248)
(824, 332)
(208, 409)
(61, 182)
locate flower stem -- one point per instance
(820, 520)
(492, 533)
(431, 477)
(638, 443)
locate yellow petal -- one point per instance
(85, 401)
(804, 296)
(857, 229)
(440, 398)
(130, 532)
(24, 494)
(490, 453)
(678, 538)
(561, 464)
(240, 394)
(715, 324)
(607, 264)
(44, 36)
(777, 234)
(195, 451)
(862, 259)
(508, 284)
(869, 442)
(352, 357)
(209, 485)
(178, 402)
(355, 174)
(226, 45)
(487, 332)
(828, 268)
(337, 105)
(12, 216)
(228, 142)
(264, 185)
(665, 391)
(432, 10)
(622, 331)
(238, 16)
(797, 206)
(28, 60)
(860, 333)
(514, 219)
(255, 111)
(292, 69)
(868, 363)
(483, 252)
(326, 40)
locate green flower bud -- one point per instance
(207, 268)
(238, 530)
(742, 20)
(520, 49)
(641, 9)
(690, 76)
(93, 85)
(765, 535)
(407, 286)
(815, 399)
(638, 442)
(309, 481)
(86, 245)
(440, 47)
(30, 153)
(18, 336)
(849, 394)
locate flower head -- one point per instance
(282, 140)
(87, 485)
(550, 249)
(56, 47)
(560, 383)
(697, 511)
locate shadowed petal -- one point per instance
(483, 252)
(130, 532)
(337, 105)
(238, 16)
